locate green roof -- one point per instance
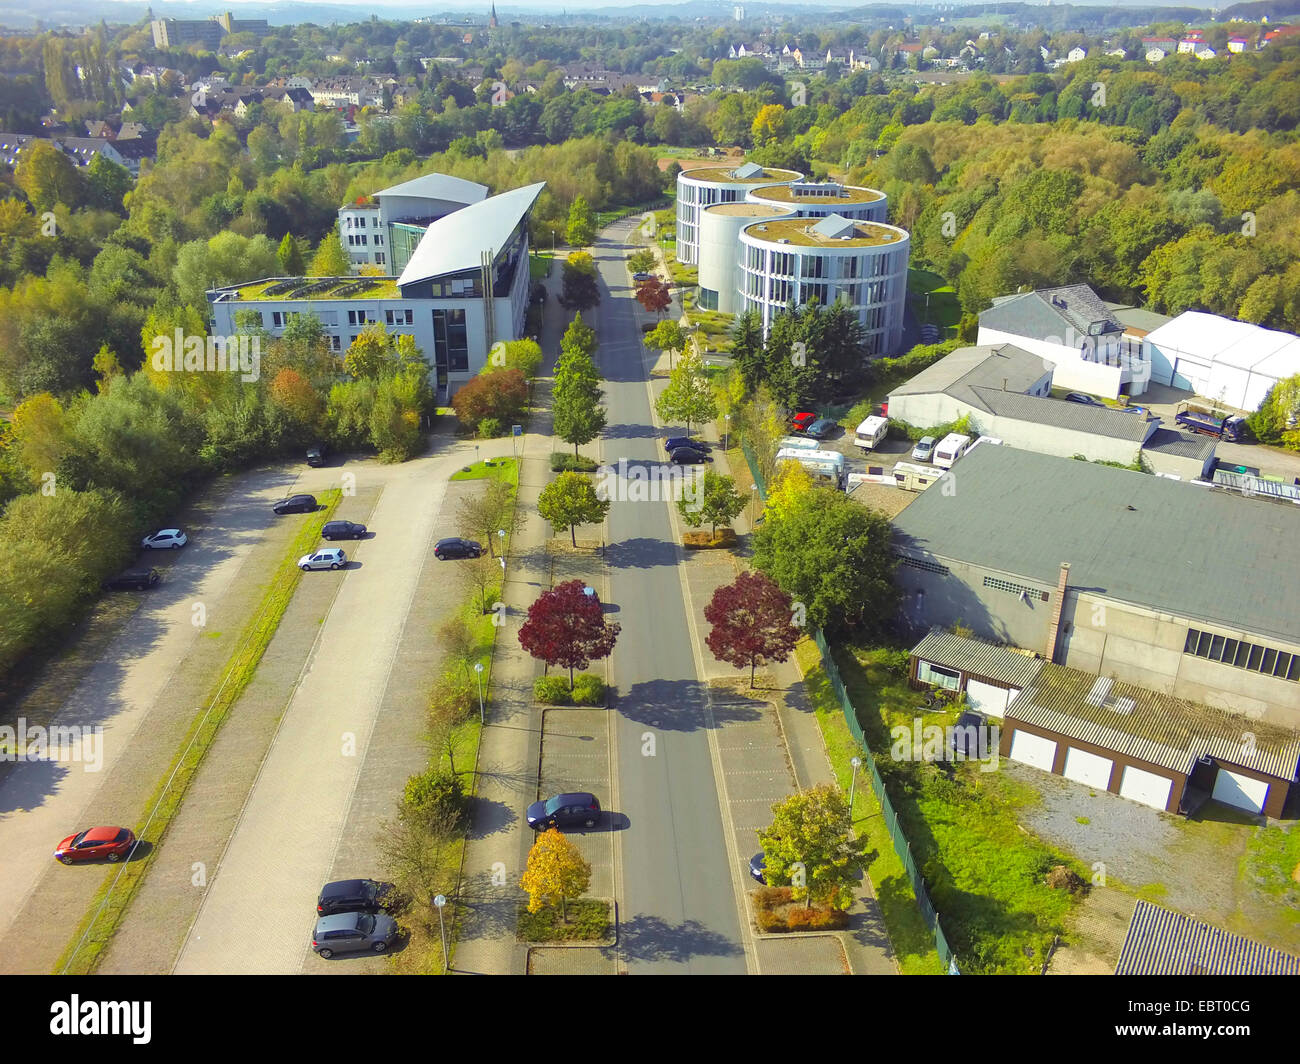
(285, 289)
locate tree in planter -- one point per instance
(751, 623)
(571, 500)
(578, 338)
(489, 511)
(642, 261)
(581, 229)
(556, 871)
(567, 627)
(812, 829)
(718, 502)
(576, 409)
(688, 397)
(478, 576)
(666, 336)
(653, 295)
(502, 394)
(579, 289)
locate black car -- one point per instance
(296, 504)
(673, 442)
(343, 530)
(757, 865)
(643, 277)
(317, 453)
(455, 547)
(133, 579)
(1086, 400)
(578, 809)
(348, 896)
(687, 456)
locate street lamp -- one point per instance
(438, 902)
(726, 430)
(753, 504)
(552, 241)
(856, 762)
(501, 538)
(478, 673)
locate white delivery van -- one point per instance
(796, 443)
(915, 477)
(871, 432)
(950, 448)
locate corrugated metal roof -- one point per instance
(1163, 942)
(974, 656)
(439, 187)
(1080, 417)
(1151, 726)
(1128, 536)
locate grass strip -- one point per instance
(112, 900)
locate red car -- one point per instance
(802, 420)
(110, 843)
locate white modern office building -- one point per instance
(704, 186)
(465, 287)
(796, 260)
(818, 199)
(384, 229)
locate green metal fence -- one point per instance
(901, 846)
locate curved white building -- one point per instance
(794, 259)
(704, 186)
(720, 227)
(818, 199)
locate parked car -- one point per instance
(353, 933)
(638, 277)
(139, 579)
(165, 539)
(802, 420)
(687, 456)
(757, 863)
(110, 844)
(325, 558)
(456, 547)
(316, 454)
(821, 428)
(348, 896)
(673, 442)
(295, 504)
(1133, 410)
(649, 326)
(1079, 397)
(578, 809)
(343, 530)
(924, 449)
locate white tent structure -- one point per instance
(1232, 362)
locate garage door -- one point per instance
(1083, 766)
(1244, 792)
(1031, 749)
(1138, 785)
(985, 698)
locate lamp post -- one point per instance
(552, 242)
(856, 762)
(726, 430)
(501, 538)
(753, 504)
(438, 902)
(478, 674)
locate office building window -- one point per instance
(451, 340)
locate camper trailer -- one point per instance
(912, 477)
(826, 464)
(796, 443)
(982, 440)
(950, 448)
(871, 432)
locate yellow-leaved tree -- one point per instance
(556, 872)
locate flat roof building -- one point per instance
(703, 186)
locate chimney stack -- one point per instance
(1057, 606)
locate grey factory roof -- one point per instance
(976, 657)
(1163, 942)
(1180, 444)
(1137, 319)
(1051, 312)
(1151, 726)
(439, 187)
(1081, 417)
(454, 243)
(1128, 536)
(967, 368)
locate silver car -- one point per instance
(924, 449)
(165, 539)
(353, 933)
(325, 558)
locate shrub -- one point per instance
(436, 800)
(769, 922)
(563, 462)
(502, 394)
(726, 537)
(552, 690)
(490, 427)
(588, 690)
(771, 897)
(801, 919)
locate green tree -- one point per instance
(642, 261)
(716, 501)
(581, 229)
(747, 352)
(809, 846)
(576, 408)
(330, 259)
(688, 397)
(49, 177)
(579, 288)
(668, 336)
(571, 500)
(579, 337)
(288, 257)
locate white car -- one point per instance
(166, 539)
(924, 449)
(325, 558)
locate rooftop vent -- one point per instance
(783, 240)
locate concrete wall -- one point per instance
(1186, 468)
(923, 411)
(1070, 369)
(1050, 439)
(719, 250)
(992, 614)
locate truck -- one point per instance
(826, 464)
(869, 434)
(950, 448)
(1227, 428)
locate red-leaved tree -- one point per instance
(567, 627)
(752, 623)
(654, 295)
(501, 394)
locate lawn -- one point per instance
(943, 309)
(588, 922)
(501, 469)
(539, 265)
(984, 871)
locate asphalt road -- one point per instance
(679, 909)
